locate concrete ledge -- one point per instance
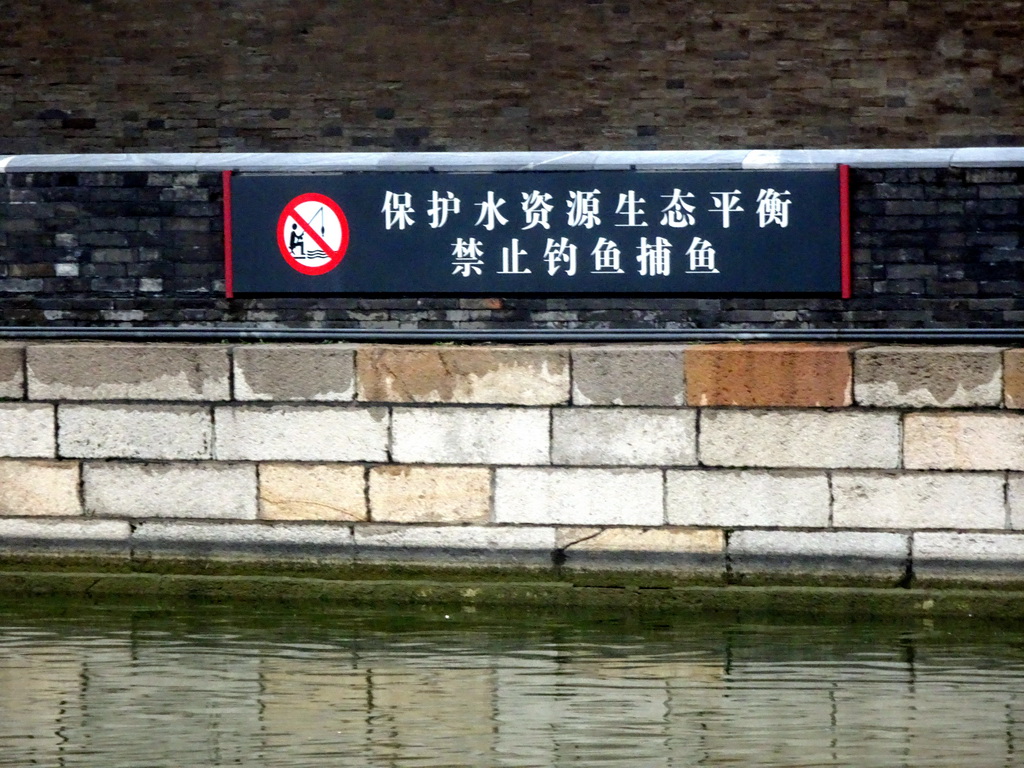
(794, 554)
(978, 157)
(439, 545)
(683, 552)
(65, 537)
(993, 557)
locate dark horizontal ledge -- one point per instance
(517, 335)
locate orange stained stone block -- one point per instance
(797, 375)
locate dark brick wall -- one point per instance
(293, 75)
(932, 248)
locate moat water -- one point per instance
(205, 685)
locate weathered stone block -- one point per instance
(747, 498)
(43, 488)
(12, 371)
(127, 372)
(645, 549)
(312, 492)
(445, 544)
(628, 375)
(418, 494)
(288, 541)
(627, 436)
(963, 441)
(917, 500)
(199, 490)
(27, 430)
(470, 435)
(324, 372)
(799, 439)
(579, 496)
(852, 554)
(134, 431)
(505, 375)
(1013, 378)
(944, 556)
(777, 374)
(301, 433)
(948, 377)
(1015, 500)
(65, 537)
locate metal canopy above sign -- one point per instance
(538, 233)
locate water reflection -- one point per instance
(125, 686)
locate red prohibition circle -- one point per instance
(335, 254)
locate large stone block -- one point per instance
(187, 490)
(471, 435)
(852, 554)
(418, 494)
(12, 371)
(960, 440)
(757, 438)
(948, 377)
(777, 374)
(39, 488)
(312, 492)
(498, 375)
(946, 556)
(27, 430)
(624, 436)
(441, 545)
(1013, 378)
(324, 372)
(628, 375)
(135, 431)
(301, 433)
(85, 371)
(917, 500)
(288, 541)
(747, 498)
(64, 537)
(645, 549)
(579, 496)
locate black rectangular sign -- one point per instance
(550, 232)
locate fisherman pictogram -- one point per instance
(312, 234)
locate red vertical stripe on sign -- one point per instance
(229, 288)
(844, 231)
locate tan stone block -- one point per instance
(44, 488)
(648, 549)
(312, 492)
(404, 494)
(12, 371)
(85, 371)
(897, 376)
(776, 374)
(506, 375)
(963, 441)
(321, 372)
(628, 375)
(1013, 378)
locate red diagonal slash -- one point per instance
(335, 255)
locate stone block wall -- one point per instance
(932, 247)
(734, 463)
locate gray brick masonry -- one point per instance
(781, 438)
(135, 431)
(318, 372)
(579, 496)
(631, 375)
(918, 500)
(843, 553)
(285, 540)
(747, 498)
(27, 430)
(181, 490)
(446, 435)
(440, 544)
(127, 372)
(301, 433)
(617, 436)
